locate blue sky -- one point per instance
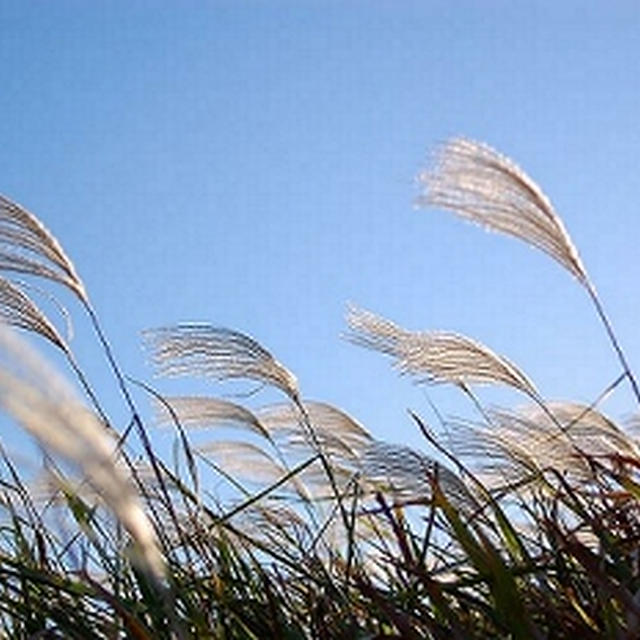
(251, 164)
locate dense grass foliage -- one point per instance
(292, 520)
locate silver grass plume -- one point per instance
(483, 186)
(41, 402)
(522, 444)
(27, 246)
(205, 412)
(379, 466)
(408, 475)
(434, 356)
(276, 518)
(275, 525)
(18, 310)
(216, 352)
(334, 429)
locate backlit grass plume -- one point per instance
(483, 186)
(18, 310)
(408, 475)
(216, 352)
(43, 405)
(205, 412)
(250, 462)
(399, 470)
(336, 430)
(434, 356)
(27, 246)
(527, 443)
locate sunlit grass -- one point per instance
(292, 520)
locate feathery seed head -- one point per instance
(481, 185)
(435, 356)
(43, 404)
(216, 352)
(203, 412)
(528, 441)
(27, 246)
(18, 310)
(334, 429)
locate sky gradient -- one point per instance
(251, 164)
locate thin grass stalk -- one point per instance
(427, 534)
(86, 385)
(265, 492)
(613, 339)
(351, 529)
(476, 403)
(111, 358)
(137, 421)
(183, 436)
(323, 459)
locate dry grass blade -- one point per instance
(27, 246)
(204, 412)
(434, 356)
(223, 354)
(42, 404)
(18, 310)
(483, 186)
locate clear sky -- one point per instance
(251, 164)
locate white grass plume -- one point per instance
(216, 352)
(334, 429)
(205, 412)
(27, 246)
(400, 471)
(481, 185)
(409, 474)
(520, 444)
(434, 356)
(41, 402)
(18, 310)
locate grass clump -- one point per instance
(292, 520)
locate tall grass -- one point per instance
(292, 520)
